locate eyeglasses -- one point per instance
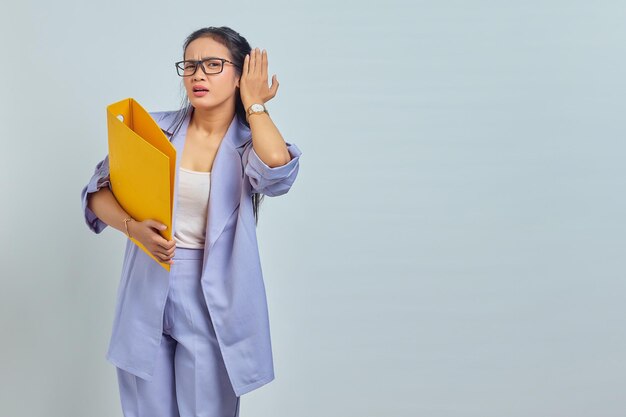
(210, 65)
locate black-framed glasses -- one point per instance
(210, 65)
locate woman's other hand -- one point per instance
(253, 86)
(147, 232)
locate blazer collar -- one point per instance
(165, 119)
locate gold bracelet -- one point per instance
(126, 224)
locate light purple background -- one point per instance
(453, 246)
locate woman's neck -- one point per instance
(211, 123)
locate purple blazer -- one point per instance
(232, 280)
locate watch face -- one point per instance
(257, 107)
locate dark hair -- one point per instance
(238, 47)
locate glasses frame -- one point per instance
(200, 61)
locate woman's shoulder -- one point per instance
(162, 114)
(167, 119)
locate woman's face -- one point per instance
(222, 86)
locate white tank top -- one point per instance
(191, 209)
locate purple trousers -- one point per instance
(190, 378)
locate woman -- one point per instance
(191, 341)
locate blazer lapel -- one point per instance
(226, 185)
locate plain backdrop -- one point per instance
(453, 245)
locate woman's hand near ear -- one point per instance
(253, 82)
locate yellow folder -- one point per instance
(142, 165)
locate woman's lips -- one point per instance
(199, 90)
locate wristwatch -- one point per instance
(256, 109)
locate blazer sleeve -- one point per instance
(271, 181)
(99, 179)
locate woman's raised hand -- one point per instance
(253, 86)
(147, 232)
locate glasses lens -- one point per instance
(186, 68)
(212, 66)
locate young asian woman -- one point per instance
(191, 341)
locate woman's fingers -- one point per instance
(256, 63)
(162, 242)
(161, 256)
(164, 254)
(246, 66)
(161, 248)
(155, 224)
(264, 65)
(251, 62)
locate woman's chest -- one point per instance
(199, 152)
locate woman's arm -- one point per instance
(271, 181)
(267, 141)
(101, 209)
(106, 207)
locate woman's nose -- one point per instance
(199, 75)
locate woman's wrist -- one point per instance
(128, 228)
